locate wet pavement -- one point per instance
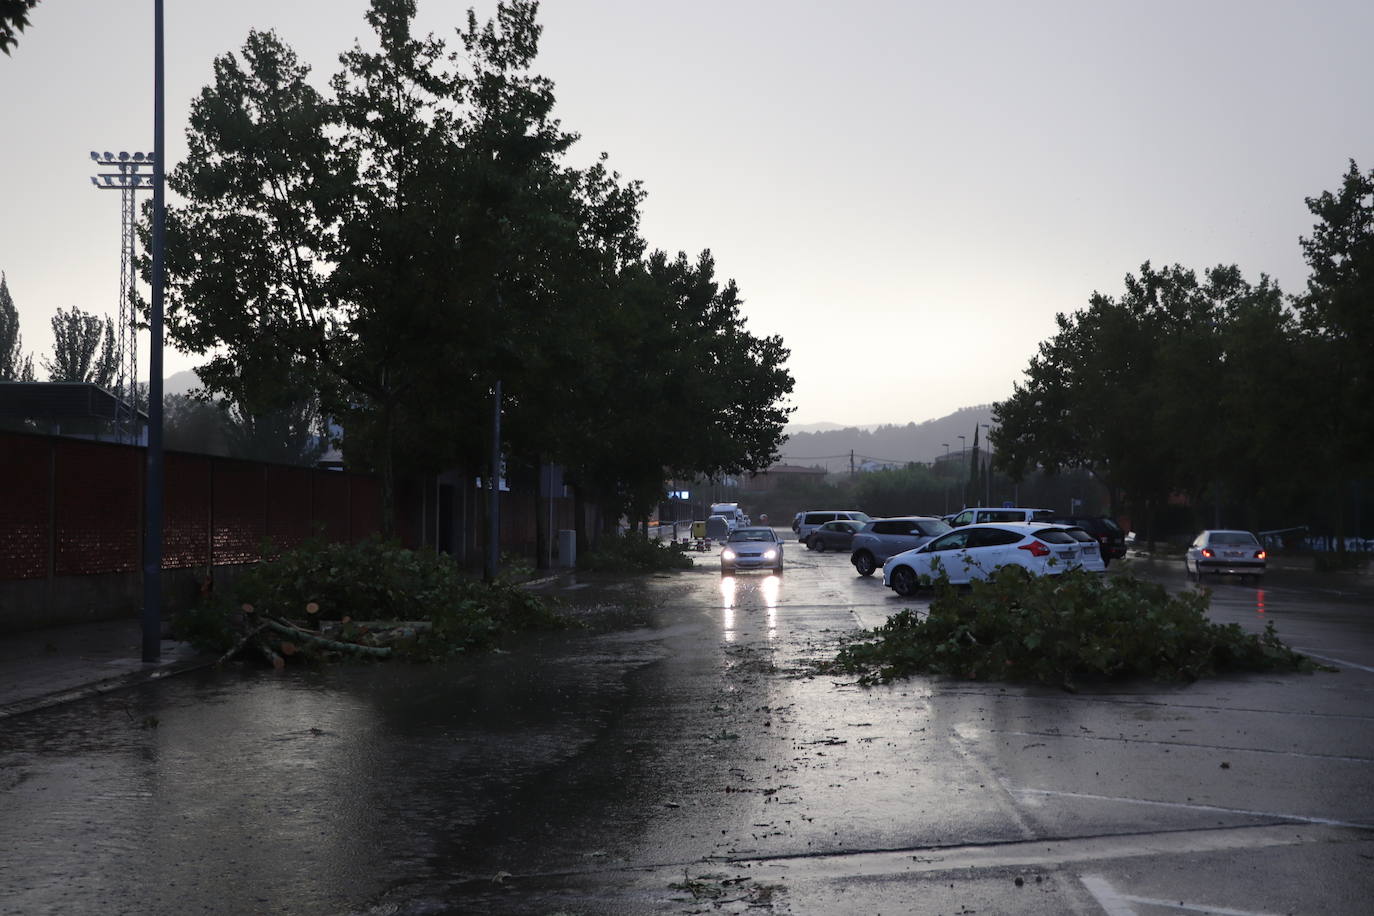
(678, 755)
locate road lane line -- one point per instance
(1117, 904)
(1335, 661)
(1112, 903)
(1303, 818)
(1188, 744)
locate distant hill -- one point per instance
(180, 382)
(830, 447)
(793, 428)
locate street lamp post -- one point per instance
(153, 489)
(988, 442)
(945, 475)
(961, 464)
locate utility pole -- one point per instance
(152, 515)
(851, 462)
(494, 494)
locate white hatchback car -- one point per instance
(977, 551)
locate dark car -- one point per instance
(885, 537)
(1110, 538)
(835, 535)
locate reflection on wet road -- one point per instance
(679, 754)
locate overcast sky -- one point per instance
(907, 192)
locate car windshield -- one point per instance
(1233, 538)
(1078, 534)
(932, 527)
(752, 534)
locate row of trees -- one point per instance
(1215, 388)
(395, 246)
(85, 347)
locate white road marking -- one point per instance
(1118, 904)
(1303, 818)
(1044, 853)
(1112, 903)
(1335, 661)
(1203, 747)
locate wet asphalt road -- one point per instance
(677, 756)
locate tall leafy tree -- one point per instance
(1337, 314)
(1129, 388)
(83, 349)
(14, 365)
(406, 241)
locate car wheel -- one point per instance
(904, 581)
(777, 570)
(818, 544)
(863, 563)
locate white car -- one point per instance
(1225, 553)
(1090, 551)
(751, 548)
(977, 551)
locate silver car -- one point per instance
(887, 537)
(751, 548)
(1225, 553)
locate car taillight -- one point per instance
(1206, 551)
(1260, 554)
(1036, 549)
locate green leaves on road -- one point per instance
(1063, 629)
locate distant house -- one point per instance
(79, 409)
(767, 481)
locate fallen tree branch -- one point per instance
(297, 633)
(242, 641)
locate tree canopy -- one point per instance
(83, 349)
(14, 18)
(1202, 388)
(14, 365)
(397, 245)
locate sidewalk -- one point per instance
(43, 668)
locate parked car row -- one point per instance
(971, 544)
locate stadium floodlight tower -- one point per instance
(127, 178)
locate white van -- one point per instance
(733, 514)
(981, 515)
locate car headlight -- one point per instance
(727, 554)
(770, 554)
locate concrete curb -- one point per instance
(108, 685)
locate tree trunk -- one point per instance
(580, 518)
(389, 471)
(541, 515)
